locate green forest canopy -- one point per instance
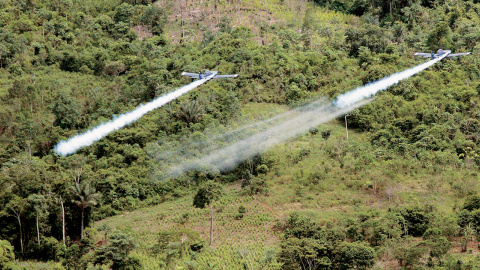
(66, 66)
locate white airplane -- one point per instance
(441, 53)
(208, 73)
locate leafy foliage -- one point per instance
(6, 253)
(117, 251)
(207, 193)
(66, 66)
(176, 245)
(356, 255)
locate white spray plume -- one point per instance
(213, 141)
(371, 89)
(293, 123)
(89, 137)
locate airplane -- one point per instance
(440, 53)
(208, 73)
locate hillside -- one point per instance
(400, 192)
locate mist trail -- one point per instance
(294, 123)
(89, 137)
(298, 123)
(213, 141)
(371, 89)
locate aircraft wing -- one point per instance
(192, 75)
(426, 55)
(458, 54)
(226, 76)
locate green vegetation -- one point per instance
(6, 254)
(400, 192)
(206, 195)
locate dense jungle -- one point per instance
(393, 184)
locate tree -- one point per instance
(472, 202)
(416, 219)
(305, 253)
(207, 193)
(67, 112)
(51, 249)
(39, 204)
(75, 252)
(85, 197)
(356, 256)
(16, 207)
(123, 13)
(154, 17)
(468, 233)
(307, 245)
(439, 247)
(257, 185)
(191, 111)
(63, 218)
(440, 37)
(178, 244)
(408, 253)
(117, 251)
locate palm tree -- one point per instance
(85, 196)
(191, 111)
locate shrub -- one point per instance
(175, 245)
(116, 252)
(472, 203)
(262, 169)
(356, 256)
(241, 210)
(326, 134)
(75, 258)
(258, 185)
(416, 219)
(6, 253)
(432, 233)
(51, 249)
(440, 247)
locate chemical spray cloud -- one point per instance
(371, 89)
(213, 141)
(293, 124)
(89, 137)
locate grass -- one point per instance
(263, 17)
(260, 111)
(252, 233)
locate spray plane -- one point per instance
(441, 53)
(208, 73)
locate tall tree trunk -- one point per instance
(38, 232)
(63, 220)
(211, 224)
(81, 226)
(21, 233)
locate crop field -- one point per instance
(326, 180)
(313, 184)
